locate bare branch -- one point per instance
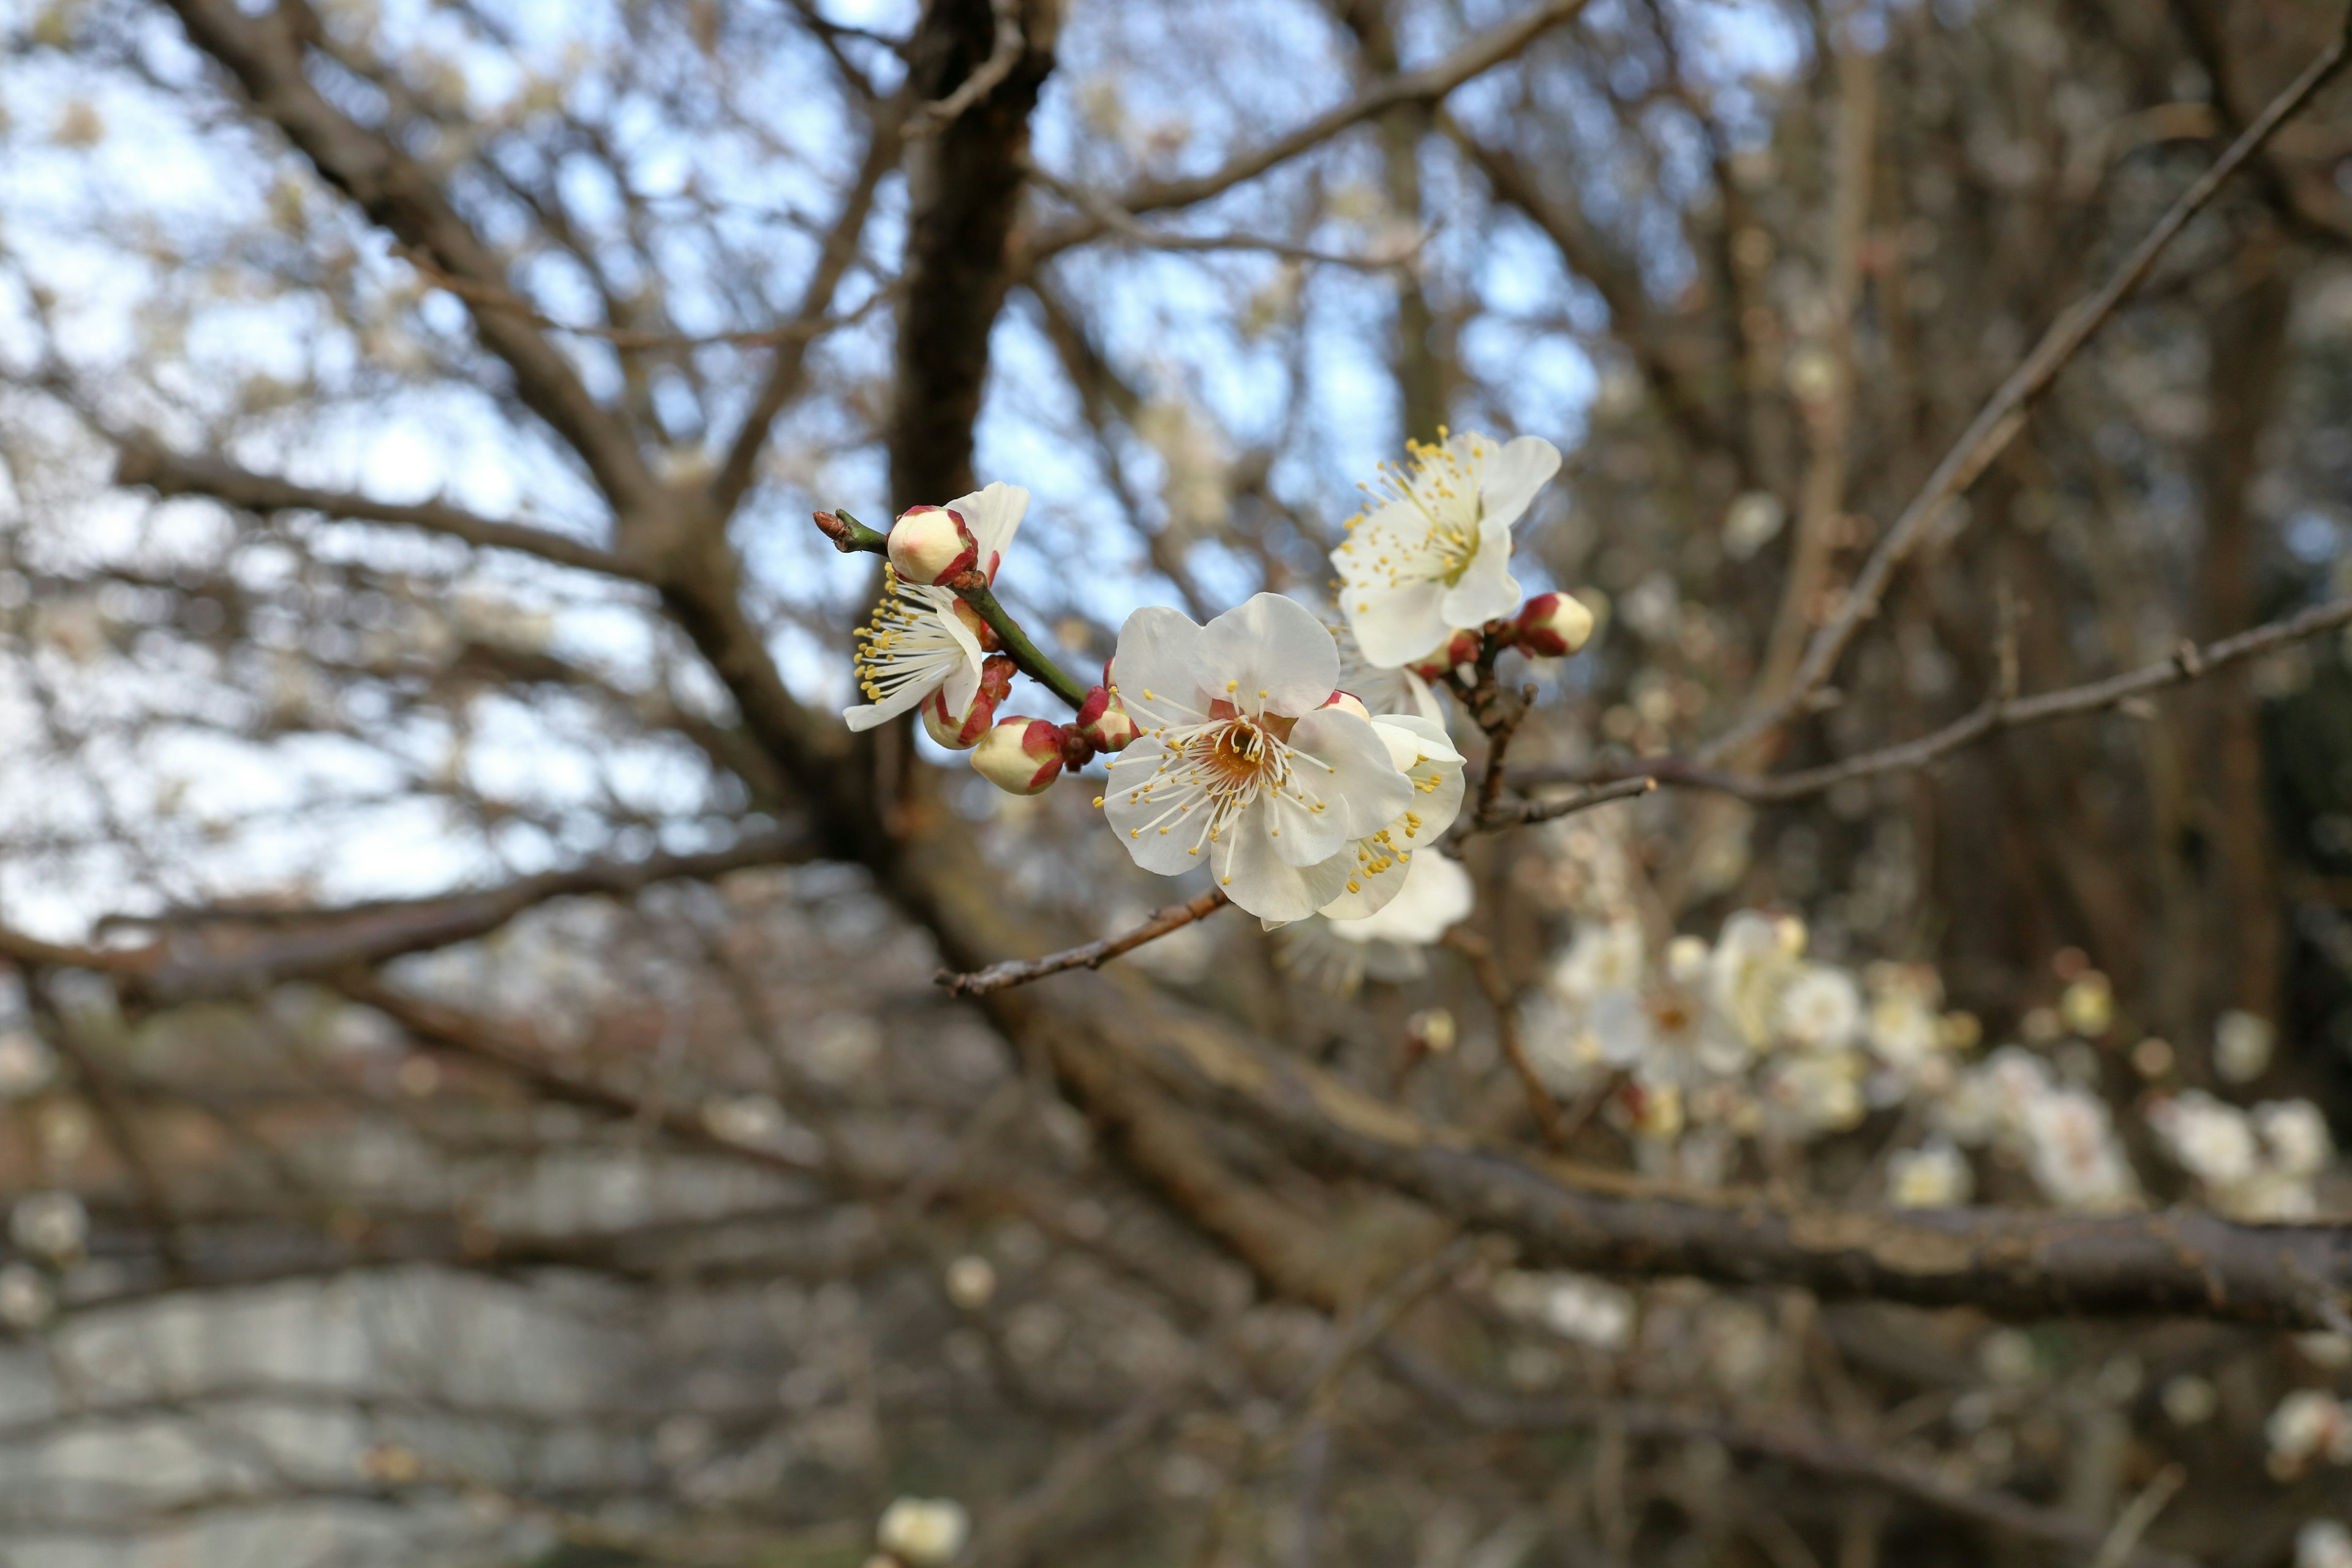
(1995, 715)
(2004, 414)
(229, 954)
(2010, 1263)
(265, 53)
(172, 474)
(1803, 1448)
(1092, 955)
(1428, 85)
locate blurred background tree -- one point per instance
(474, 1087)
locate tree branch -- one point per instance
(170, 474)
(1802, 1447)
(1995, 715)
(1428, 85)
(206, 955)
(2010, 1263)
(1091, 955)
(265, 53)
(2004, 414)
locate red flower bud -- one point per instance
(960, 733)
(1348, 702)
(1552, 624)
(930, 544)
(1104, 722)
(1462, 648)
(1021, 756)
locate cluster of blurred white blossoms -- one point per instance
(1240, 747)
(1699, 1046)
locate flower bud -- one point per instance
(1020, 755)
(930, 544)
(961, 731)
(1460, 648)
(1104, 722)
(923, 1533)
(1552, 624)
(1348, 702)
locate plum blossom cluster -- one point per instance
(1700, 1047)
(1239, 748)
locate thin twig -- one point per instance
(1806, 1448)
(629, 340)
(1093, 955)
(1994, 715)
(1498, 987)
(1003, 54)
(2003, 415)
(2132, 1524)
(1126, 227)
(1520, 813)
(1498, 746)
(1428, 85)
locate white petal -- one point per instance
(1434, 895)
(905, 700)
(1158, 667)
(1424, 702)
(993, 515)
(1304, 836)
(1394, 529)
(1437, 809)
(1157, 836)
(1270, 652)
(1396, 625)
(1411, 738)
(1259, 880)
(1512, 476)
(1363, 790)
(1487, 589)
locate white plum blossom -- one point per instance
(2241, 1046)
(2072, 1149)
(922, 638)
(2295, 1135)
(2308, 1424)
(1434, 896)
(1754, 959)
(49, 1224)
(1822, 1007)
(2323, 1543)
(2253, 1167)
(26, 1301)
(1434, 553)
(1604, 956)
(1384, 688)
(923, 1533)
(2212, 1140)
(1241, 766)
(1935, 1175)
(1419, 750)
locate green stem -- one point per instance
(1034, 664)
(849, 535)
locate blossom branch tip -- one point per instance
(1091, 955)
(850, 536)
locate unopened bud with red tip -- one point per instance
(1460, 648)
(1020, 755)
(960, 733)
(930, 544)
(1104, 722)
(1348, 702)
(1552, 625)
